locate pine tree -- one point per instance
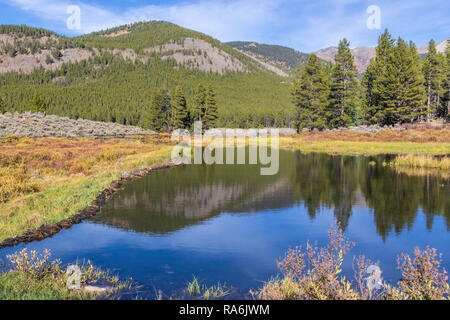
(344, 88)
(433, 72)
(154, 118)
(38, 104)
(445, 106)
(400, 88)
(199, 107)
(180, 114)
(373, 110)
(2, 106)
(310, 94)
(211, 113)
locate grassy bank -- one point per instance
(44, 181)
(34, 276)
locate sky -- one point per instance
(303, 25)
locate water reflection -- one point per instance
(171, 200)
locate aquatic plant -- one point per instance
(195, 289)
(414, 161)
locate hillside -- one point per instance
(363, 55)
(284, 58)
(111, 75)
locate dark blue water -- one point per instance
(228, 224)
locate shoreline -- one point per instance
(49, 230)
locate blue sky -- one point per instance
(304, 25)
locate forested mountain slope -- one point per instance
(112, 75)
(282, 57)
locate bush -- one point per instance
(14, 180)
(314, 274)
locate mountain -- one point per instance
(283, 58)
(111, 75)
(363, 55)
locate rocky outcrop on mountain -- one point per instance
(199, 54)
(362, 56)
(38, 125)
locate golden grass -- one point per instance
(413, 161)
(15, 181)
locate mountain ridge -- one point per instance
(364, 54)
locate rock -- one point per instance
(37, 125)
(125, 175)
(96, 290)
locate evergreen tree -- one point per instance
(154, 118)
(180, 114)
(445, 106)
(373, 110)
(344, 88)
(310, 94)
(199, 108)
(433, 72)
(38, 104)
(211, 113)
(400, 88)
(2, 106)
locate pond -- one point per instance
(229, 224)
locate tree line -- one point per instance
(169, 112)
(397, 87)
(108, 87)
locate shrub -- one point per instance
(314, 274)
(14, 180)
(422, 277)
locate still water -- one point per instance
(229, 224)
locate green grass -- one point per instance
(195, 289)
(34, 276)
(364, 148)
